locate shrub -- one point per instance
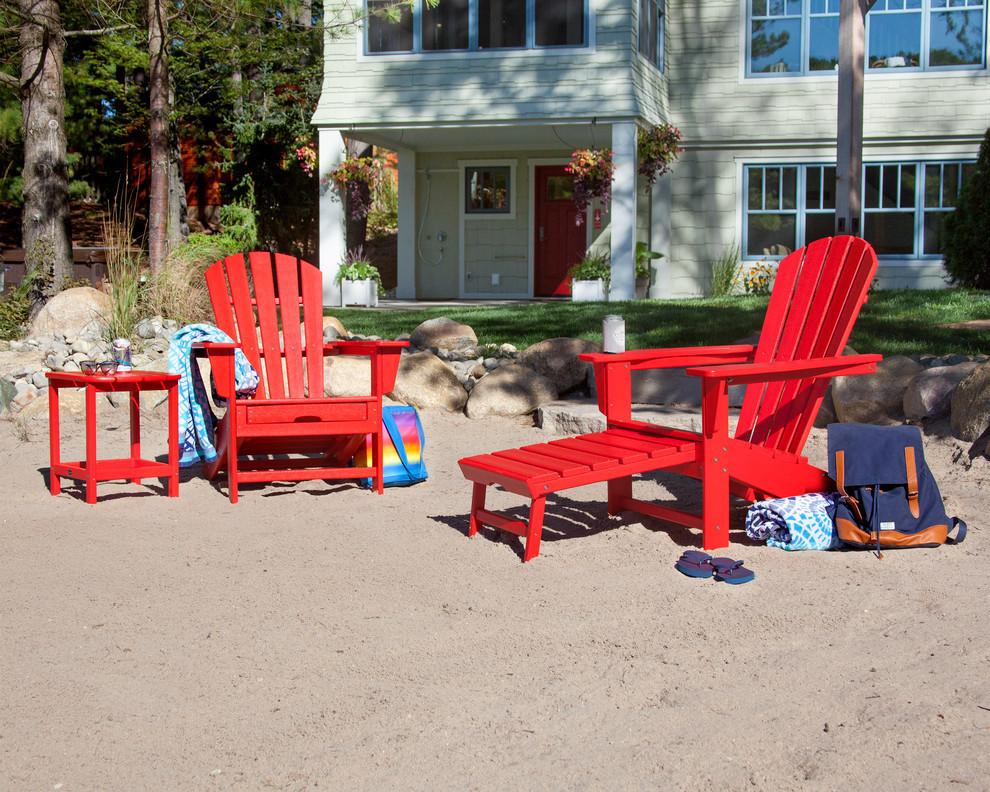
(592, 266)
(725, 271)
(966, 231)
(15, 309)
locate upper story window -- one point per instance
(904, 205)
(472, 25)
(802, 36)
(651, 31)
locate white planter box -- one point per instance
(588, 290)
(359, 292)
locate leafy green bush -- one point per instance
(966, 231)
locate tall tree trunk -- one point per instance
(45, 218)
(178, 208)
(158, 137)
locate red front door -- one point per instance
(560, 241)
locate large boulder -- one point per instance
(346, 376)
(929, 395)
(70, 311)
(557, 360)
(425, 381)
(443, 333)
(876, 398)
(510, 391)
(971, 404)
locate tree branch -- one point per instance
(99, 31)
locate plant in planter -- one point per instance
(644, 270)
(359, 279)
(350, 176)
(657, 147)
(592, 170)
(590, 277)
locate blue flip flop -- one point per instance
(730, 571)
(694, 563)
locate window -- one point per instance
(474, 25)
(904, 205)
(486, 190)
(651, 31)
(802, 36)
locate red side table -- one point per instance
(93, 470)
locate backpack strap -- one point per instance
(912, 481)
(960, 527)
(840, 476)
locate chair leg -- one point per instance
(477, 504)
(618, 489)
(714, 506)
(534, 529)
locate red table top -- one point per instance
(77, 379)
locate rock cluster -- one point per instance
(445, 368)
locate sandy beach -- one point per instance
(319, 636)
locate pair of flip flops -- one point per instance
(695, 563)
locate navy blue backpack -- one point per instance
(889, 497)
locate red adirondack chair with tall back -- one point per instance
(289, 430)
(816, 297)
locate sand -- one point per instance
(319, 636)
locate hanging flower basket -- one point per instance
(350, 177)
(657, 147)
(592, 170)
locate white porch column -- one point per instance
(333, 226)
(406, 285)
(662, 287)
(623, 239)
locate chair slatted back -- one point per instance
(282, 286)
(816, 297)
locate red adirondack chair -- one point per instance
(817, 295)
(289, 430)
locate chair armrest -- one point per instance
(384, 360)
(673, 357)
(613, 372)
(791, 369)
(221, 357)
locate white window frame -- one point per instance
(927, 10)
(530, 46)
(801, 210)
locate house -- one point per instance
(485, 100)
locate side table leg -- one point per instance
(134, 397)
(91, 479)
(173, 440)
(54, 454)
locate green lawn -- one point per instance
(893, 322)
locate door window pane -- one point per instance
(560, 188)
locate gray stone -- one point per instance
(443, 333)
(557, 360)
(510, 391)
(71, 310)
(971, 404)
(929, 395)
(875, 398)
(7, 393)
(427, 382)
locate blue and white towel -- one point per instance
(801, 522)
(196, 419)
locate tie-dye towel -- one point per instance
(196, 419)
(801, 522)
